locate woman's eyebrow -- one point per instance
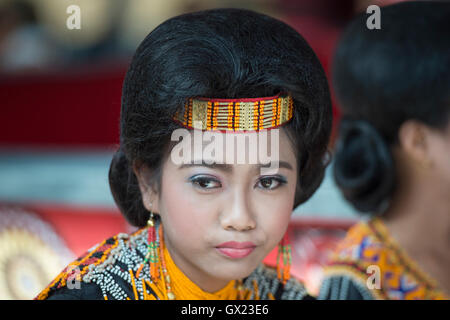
(279, 164)
(229, 168)
(220, 166)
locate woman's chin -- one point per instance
(235, 271)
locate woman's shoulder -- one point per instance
(264, 280)
(87, 276)
(86, 291)
(370, 262)
(359, 249)
(345, 274)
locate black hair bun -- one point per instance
(364, 168)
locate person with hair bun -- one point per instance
(204, 225)
(392, 157)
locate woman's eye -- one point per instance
(270, 183)
(205, 182)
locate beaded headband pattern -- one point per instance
(248, 114)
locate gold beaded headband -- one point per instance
(249, 114)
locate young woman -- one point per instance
(206, 225)
(393, 155)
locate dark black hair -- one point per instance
(383, 77)
(220, 53)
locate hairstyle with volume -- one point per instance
(382, 78)
(220, 53)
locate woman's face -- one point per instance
(221, 220)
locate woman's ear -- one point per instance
(148, 190)
(414, 140)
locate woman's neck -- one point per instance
(419, 220)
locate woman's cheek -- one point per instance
(185, 214)
(275, 214)
(179, 212)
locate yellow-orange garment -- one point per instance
(184, 289)
(370, 244)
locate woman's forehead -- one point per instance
(270, 149)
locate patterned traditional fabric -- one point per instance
(82, 266)
(236, 114)
(369, 244)
(108, 272)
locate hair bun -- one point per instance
(364, 167)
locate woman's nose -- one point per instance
(237, 214)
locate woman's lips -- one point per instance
(236, 250)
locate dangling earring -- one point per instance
(152, 255)
(284, 249)
(153, 249)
